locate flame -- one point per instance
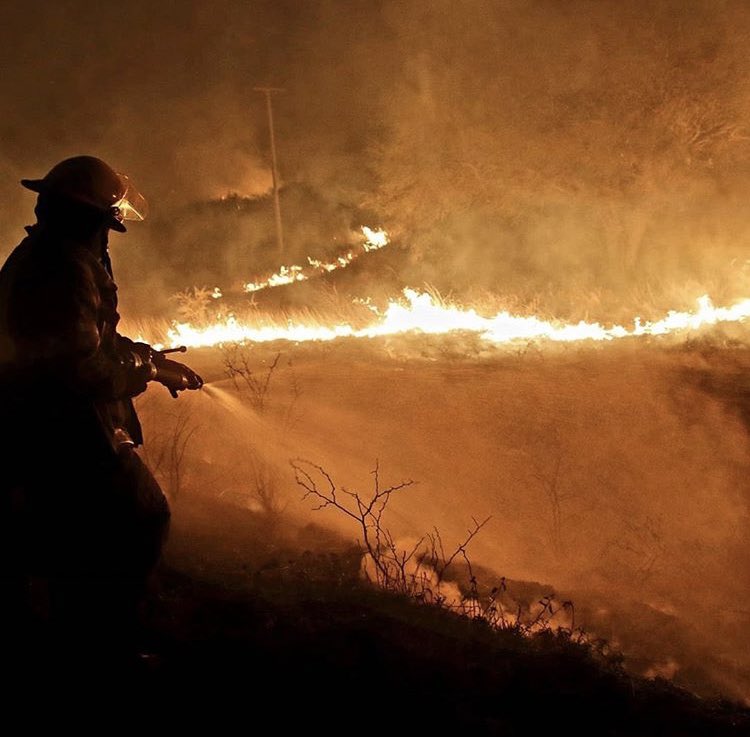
(421, 312)
(285, 275)
(374, 240)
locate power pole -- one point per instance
(268, 91)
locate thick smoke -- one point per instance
(596, 143)
(594, 147)
(164, 91)
(583, 154)
(616, 476)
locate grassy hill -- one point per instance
(299, 640)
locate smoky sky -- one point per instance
(164, 91)
(591, 139)
(520, 146)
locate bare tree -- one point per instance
(417, 570)
(379, 545)
(254, 383)
(291, 414)
(420, 570)
(440, 560)
(264, 488)
(548, 471)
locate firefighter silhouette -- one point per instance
(82, 518)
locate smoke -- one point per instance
(588, 152)
(617, 477)
(564, 147)
(164, 92)
(597, 143)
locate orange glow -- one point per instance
(420, 312)
(374, 240)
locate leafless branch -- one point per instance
(256, 385)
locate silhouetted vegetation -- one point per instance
(305, 634)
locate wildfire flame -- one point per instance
(374, 240)
(422, 312)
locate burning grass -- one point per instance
(333, 316)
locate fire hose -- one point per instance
(175, 376)
(153, 365)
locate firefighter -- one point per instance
(82, 518)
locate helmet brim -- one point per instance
(38, 186)
(35, 185)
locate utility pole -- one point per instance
(268, 91)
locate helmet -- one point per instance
(89, 181)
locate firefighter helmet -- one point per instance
(89, 181)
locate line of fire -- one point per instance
(376, 365)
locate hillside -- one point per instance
(301, 641)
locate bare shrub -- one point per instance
(165, 453)
(549, 472)
(251, 382)
(291, 413)
(426, 570)
(389, 563)
(259, 491)
(198, 305)
(264, 488)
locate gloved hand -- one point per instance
(143, 350)
(176, 376)
(138, 368)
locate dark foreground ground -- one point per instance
(263, 623)
(237, 640)
(296, 640)
(343, 658)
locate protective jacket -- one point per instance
(59, 345)
(76, 498)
